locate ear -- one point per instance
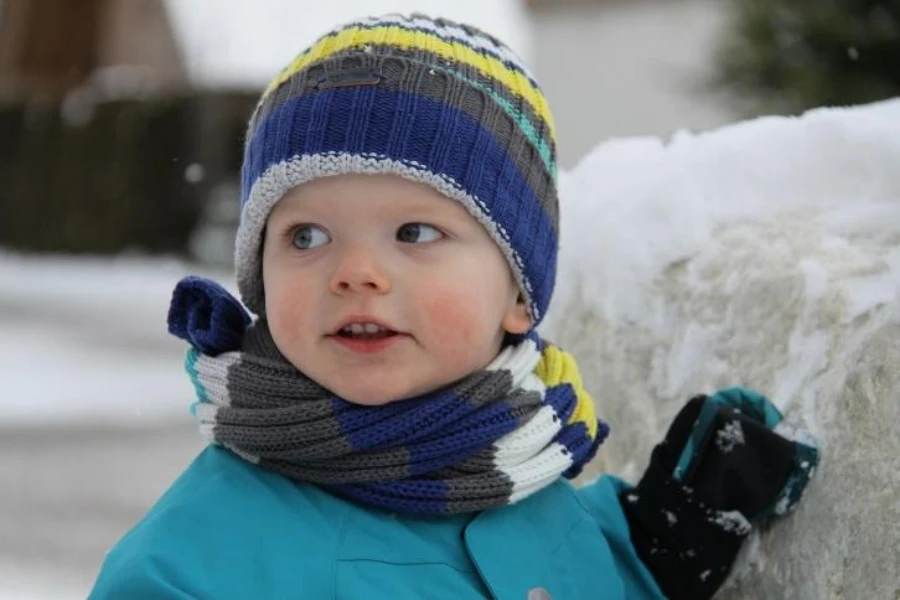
(516, 319)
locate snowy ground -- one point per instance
(93, 412)
(93, 399)
(67, 493)
(85, 340)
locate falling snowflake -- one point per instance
(194, 173)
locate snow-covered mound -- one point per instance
(764, 254)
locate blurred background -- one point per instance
(121, 126)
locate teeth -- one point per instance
(360, 328)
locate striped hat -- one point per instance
(425, 99)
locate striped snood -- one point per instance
(427, 100)
(490, 440)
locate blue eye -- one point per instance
(308, 236)
(412, 233)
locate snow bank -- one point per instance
(764, 254)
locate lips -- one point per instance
(362, 326)
(368, 344)
(364, 331)
(365, 334)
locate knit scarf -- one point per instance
(488, 440)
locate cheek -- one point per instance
(285, 306)
(458, 315)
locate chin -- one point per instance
(374, 394)
(368, 399)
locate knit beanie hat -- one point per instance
(425, 99)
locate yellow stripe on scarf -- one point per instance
(353, 37)
(558, 366)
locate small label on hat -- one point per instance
(349, 78)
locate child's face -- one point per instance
(378, 247)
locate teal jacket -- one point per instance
(227, 529)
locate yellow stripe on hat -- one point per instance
(557, 367)
(353, 37)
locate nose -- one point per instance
(359, 270)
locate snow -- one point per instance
(731, 521)
(636, 209)
(636, 206)
(764, 254)
(85, 340)
(247, 44)
(35, 585)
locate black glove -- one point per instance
(720, 470)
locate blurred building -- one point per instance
(105, 131)
(50, 47)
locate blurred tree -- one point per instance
(786, 57)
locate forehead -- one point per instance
(350, 191)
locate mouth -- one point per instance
(376, 334)
(366, 338)
(364, 328)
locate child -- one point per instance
(391, 425)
